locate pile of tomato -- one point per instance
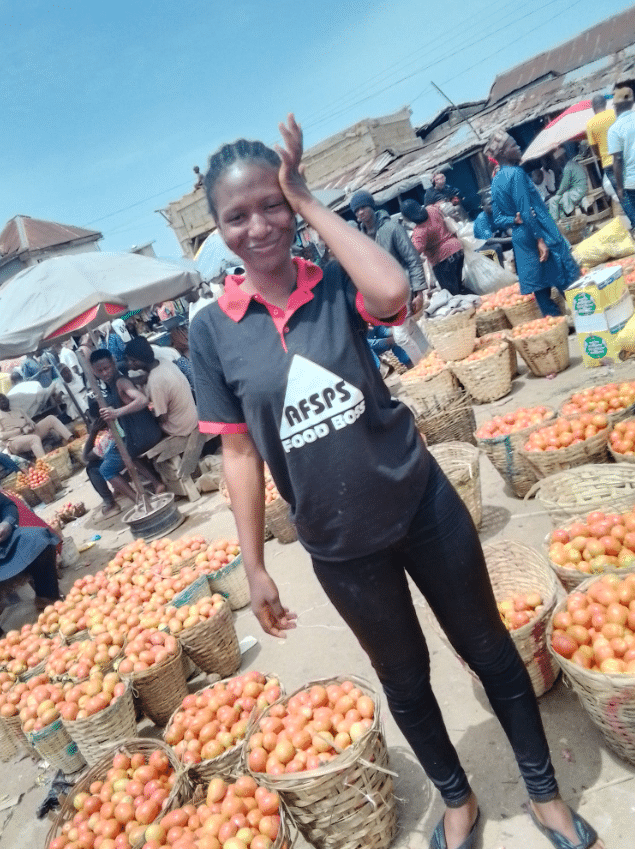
(596, 630)
(602, 541)
(565, 432)
(511, 422)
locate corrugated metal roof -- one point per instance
(605, 38)
(544, 100)
(23, 233)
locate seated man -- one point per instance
(18, 432)
(129, 407)
(484, 228)
(167, 387)
(29, 396)
(572, 189)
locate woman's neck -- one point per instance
(274, 286)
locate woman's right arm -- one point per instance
(244, 474)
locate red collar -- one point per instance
(234, 301)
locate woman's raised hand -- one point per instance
(291, 174)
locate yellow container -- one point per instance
(601, 307)
(5, 382)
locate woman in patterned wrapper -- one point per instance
(284, 374)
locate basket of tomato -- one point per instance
(592, 637)
(566, 443)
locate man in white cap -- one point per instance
(621, 145)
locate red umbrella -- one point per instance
(569, 125)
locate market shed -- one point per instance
(26, 241)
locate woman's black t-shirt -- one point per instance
(302, 382)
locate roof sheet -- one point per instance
(605, 38)
(23, 233)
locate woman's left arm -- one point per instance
(375, 273)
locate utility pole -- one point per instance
(463, 117)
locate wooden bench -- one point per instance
(175, 459)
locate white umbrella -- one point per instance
(68, 295)
(214, 257)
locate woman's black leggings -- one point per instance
(442, 554)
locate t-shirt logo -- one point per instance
(316, 403)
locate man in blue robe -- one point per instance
(543, 255)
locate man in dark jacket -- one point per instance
(377, 224)
(440, 192)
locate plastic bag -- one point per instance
(611, 242)
(482, 275)
(626, 337)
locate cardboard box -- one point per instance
(601, 306)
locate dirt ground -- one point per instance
(592, 779)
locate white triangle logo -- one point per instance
(314, 395)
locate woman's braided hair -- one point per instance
(229, 154)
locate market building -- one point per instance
(25, 241)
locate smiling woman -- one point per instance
(283, 372)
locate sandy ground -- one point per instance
(592, 779)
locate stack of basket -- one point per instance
(60, 460)
(453, 336)
(446, 419)
(486, 373)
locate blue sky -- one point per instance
(106, 106)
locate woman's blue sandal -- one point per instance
(585, 832)
(438, 835)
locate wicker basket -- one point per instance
(517, 568)
(447, 420)
(78, 636)
(161, 688)
(568, 494)
(55, 479)
(448, 323)
(454, 344)
(487, 379)
(459, 462)
(347, 803)
(501, 336)
(55, 745)
(490, 321)
(523, 312)
(621, 458)
(591, 450)
(213, 643)
(503, 453)
(60, 460)
(197, 590)
(278, 521)
(8, 483)
(440, 385)
(608, 699)
(13, 728)
(8, 744)
(45, 491)
(229, 763)
(547, 352)
(180, 793)
(28, 496)
(572, 228)
(96, 735)
(76, 449)
(572, 578)
(231, 582)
